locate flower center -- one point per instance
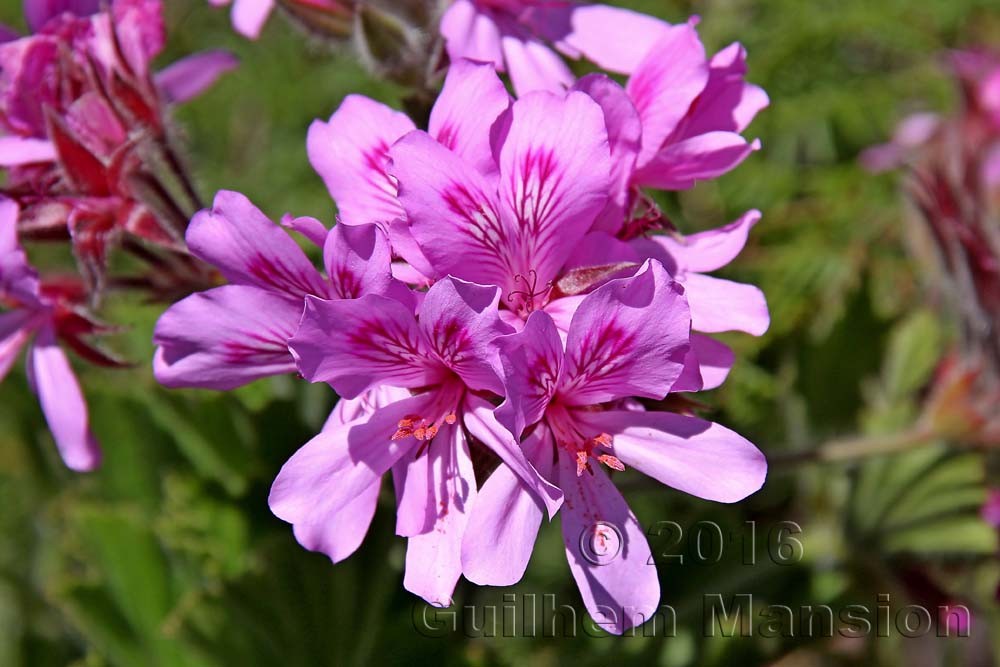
(583, 448)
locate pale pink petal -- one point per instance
(356, 344)
(434, 559)
(613, 38)
(62, 403)
(561, 311)
(350, 152)
(715, 360)
(482, 424)
(460, 321)
(414, 485)
(723, 305)
(534, 66)
(249, 16)
(532, 362)
(504, 522)
(627, 338)
(339, 464)
(555, 175)
(473, 98)
(689, 454)
(365, 405)
(666, 82)
(690, 377)
(225, 337)
(249, 249)
(15, 329)
(308, 226)
(679, 166)
(189, 77)
(607, 550)
(712, 249)
(600, 249)
(453, 212)
(340, 533)
(470, 33)
(17, 151)
(625, 138)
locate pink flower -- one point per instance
(435, 369)
(628, 338)
(990, 510)
(254, 316)
(514, 35)
(43, 313)
(77, 101)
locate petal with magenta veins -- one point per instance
(472, 99)
(532, 362)
(350, 152)
(249, 249)
(358, 262)
(357, 344)
(627, 338)
(225, 337)
(460, 321)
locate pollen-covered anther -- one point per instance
(612, 462)
(420, 428)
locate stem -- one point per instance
(858, 448)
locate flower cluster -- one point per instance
(952, 165)
(501, 322)
(87, 160)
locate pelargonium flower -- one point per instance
(514, 35)
(253, 317)
(44, 313)
(627, 339)
(77, 101)
(437, 364)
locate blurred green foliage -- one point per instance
(168, 556)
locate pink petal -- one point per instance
(473, 97)
(340, 533)
(189, 77)
(504, 522)
(532, 362)
(613, 38)
(62, 403)
(339, 464)
(452, 211)
(17, 151)
(727, 103)
(555, 175)
(433, 559)
(249, 249)
(600, 248)
(625, 138)
(249, 16)
(620, 589)
(715, 360)
(411, 477)
(689, 454)
(15, 329)
(722, 305)
(18, 280)
(534, 66)
(308, 226)
(627, 338)
(358, 262)
(712, 249)
(225, 337)
(679, 166)
(365, 405)
(357, 344)
(471, 34)
(460, 321)
(664, 85)
(8, 34)
(690, 377)
(482, 424)
(350, 153)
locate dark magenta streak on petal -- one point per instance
(601, 352)
(374, 342)
(278, 276)
(451, 341)
(239, 352)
